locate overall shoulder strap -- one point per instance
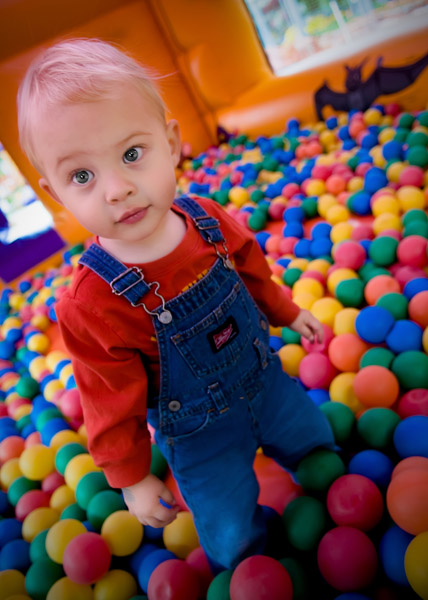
(208, 226)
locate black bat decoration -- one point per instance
(360, 95)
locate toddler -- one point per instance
(167, 317)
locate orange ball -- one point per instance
(335, 184)
(376, 386)
(11, 447)
(411, 463)
(418, 308)
(407, 500)
(346, 350)
(379, 286)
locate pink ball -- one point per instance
(412, 251)
(29, 502)
(52, 481)
(313, 275)
(319, 346)
(355, 501)
(290, 189)
(411, 175)
(87, 558)
(198, 560)
(362, 232)
(286, 245)
(316, 371)
(350, 254)
(321, 171)
(413, 402)
(405, 273)
(173, 580)
(391, 233)
(70, 404)
(260, 578)
(347, 559)
(276, 211)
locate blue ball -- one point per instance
(7, 350)
(405, 335)
(343, 133)
(321, 230)
(10, 529)
(373, 323)
(4, 503)
(414, 286)
(153, 534)
(352, 596)
(275, 343)
(135, 559)
(262, 237)
(331, 122)
(360, 203)
(318, 396)
(411, 436)
(369, 140)
(349, 144)
(392, 149)
(295, 213)
(321, 247)
(149, 564)
(51, 427)
(302, 248)
(293, 229)
(374, 179)
(392, 549)
(372, 464)
(15, 555)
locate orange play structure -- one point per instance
(212, 65)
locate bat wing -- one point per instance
(326, 96)
(394, 79)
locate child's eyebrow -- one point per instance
(120, 143)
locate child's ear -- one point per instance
(174, 140)
(44, 184)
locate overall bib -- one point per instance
(223, 394)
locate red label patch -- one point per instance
(220, 337)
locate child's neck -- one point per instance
(149, 250)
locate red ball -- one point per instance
(412, 251)
(70, 404)
(173, 580)
(260, 578)
(413, 402)
(347, 559)
(411, 175)
(316, 346)
(198, 560)
(356, 501)
(362, 232)
(290, 189)
(316, 371)
(346, 350)
(277, 487)
(87, 558)
(29, 502)
(350, 254)
(418, 309)
(405, 273)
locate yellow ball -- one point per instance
(342, 390)
(355, 184)
(51, 388)
(83, 433)
(10, 382)
(341, 231)
(386, 135)
(416, 564)
(386, 221)
(372, 116)
(123, 533)
(319, 264)
(66, 436)
(62, 497)
(38, 520)
(54, 357)
(290, 356)
(36, 462)
(315, 187)
(10, 471)
(16, 301)
(340, 274)
(325, 202)
(22, 411)
(298, 263)
(309, 286)
(181, 536)
(327, 138)
(65, 589)
(393, 172)
(385, 204)
(337, 214)
(325, 309)
(344, 321)
(239, 196)
(40, 322)
(37, 366)
(409, 196)
(11, 582)
(304, 300)
(65, 373)
(115, 585)
(39, 342)
(378, 158)
(59, 535)
(77, 467)
(425, 339)
(10, 323)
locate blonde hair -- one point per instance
(78, 70)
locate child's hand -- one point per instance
(307, 325)
(144, 502)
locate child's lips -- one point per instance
(133, 216)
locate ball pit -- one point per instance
(343, 224)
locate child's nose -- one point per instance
(118, 188)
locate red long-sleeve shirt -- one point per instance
(114, 350)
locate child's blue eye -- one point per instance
(132, 154)
(82, 177)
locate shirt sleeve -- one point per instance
(252, 266)
(113, 385)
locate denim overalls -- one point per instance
(223, 394)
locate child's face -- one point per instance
(111, 163)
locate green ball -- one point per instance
(366, 269)
(38, 546)
(377, 356)
(416, 228)
(341, 419)
(289, 336)
(66, 453)
(305, 521)
(257, 220)
(219, 586)
(139, 597)
(256, 196)
(317, 471)
(383, 251)
(353, 162)
(350, 292)
(290, 276)
(158, 465)
(310, 207)
(19, 487)
(378, 271)
(46, 415)
(423, 118)
(396, 304)
(406, 120)
(417, 138)
(411, 369)
(221, 197)
(23, 422)
(270, 164)
(88, 486)
(298, 576)
(102, 505)
(41, 576)
(418, 156)
(401, 134)
(73, 511)
(27, 387)
(376, 427)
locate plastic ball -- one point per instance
(260, 577)
(37, 462)
(317, 471)
(325, 309)
(15, 555)
(77, 467)
(407, 500)
(411, 437)
(344, 320)
(89, 485)
(347, 559)
(394, 302)
(376, 427)
(102, 505)
(86, 558)
(413, 402)
(291, 356)
(377, 356)
(376, 386)
(38, 520)
(392, 549)
(316, 371)
(416, 564)
(317, 346)
(180, 536)
(404, 336)
(122, 532)
(198, 560)
(305, 521)
(346, 350)
(372, 464)
(220, 585)
(415, 286)
(373, 324)
(149, 564)
(71, 405)
(412, 251)
(174, 579)
(341, 419)
(418, 310)
(115, 585)
(342, 391)
(11, 447)
(411, 369)
(350, 254)
(30, 501)
(355, 501)
(412, 463)
(12, 582)
(65, 589)
(41, 576)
